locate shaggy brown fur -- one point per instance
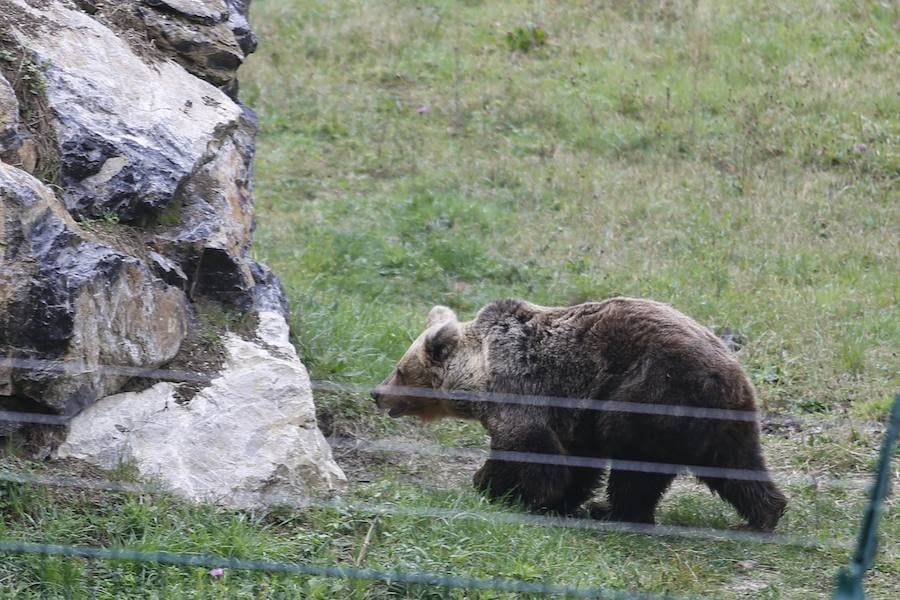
(621, 349)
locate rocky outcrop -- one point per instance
(246, 440)
(126, 212)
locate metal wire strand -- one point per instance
(675, 411)
(337, 571)
(426, 449)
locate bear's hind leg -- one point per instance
(633, 495)
(756, 498)
(759, 502)
(583, 482)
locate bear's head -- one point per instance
(444, 357)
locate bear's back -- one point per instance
(594, 349)
(650, 326)
(616, 327)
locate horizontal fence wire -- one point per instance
(73, 368)
(10, 416)
(337, 571)
(70, 367)
(508, 518)
(670, 410)
(425, 449)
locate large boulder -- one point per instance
(248, 439)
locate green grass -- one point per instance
(468, 544)
(738, 160)
(708, 157)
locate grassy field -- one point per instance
(738, 160)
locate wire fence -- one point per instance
(815, 481)
(74, 368)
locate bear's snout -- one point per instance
(396, 405)
(382, 396)
(377, 395)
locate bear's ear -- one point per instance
(439, 314)
(441, 341)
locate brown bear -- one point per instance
(620, 380)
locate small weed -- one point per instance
(125, 471)
(875, 409)
(171, 215)
(19, 500)
(215, 317)
(105, 225)
(213, 322)
(525, 39)
(109, 216)
(630, 103)
(852, 355)
(29, 75)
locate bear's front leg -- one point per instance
(524, 466)
(540, 488)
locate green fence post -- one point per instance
(850, 579)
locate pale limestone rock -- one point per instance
(251, 433)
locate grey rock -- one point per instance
(209, 38)
(167, 270)
(217, 275)
(268, 293)
(71, 304)
(248, 439)
(129, 133)
(209, 52)
(213, 230)
(88, 6)
(237, 20)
